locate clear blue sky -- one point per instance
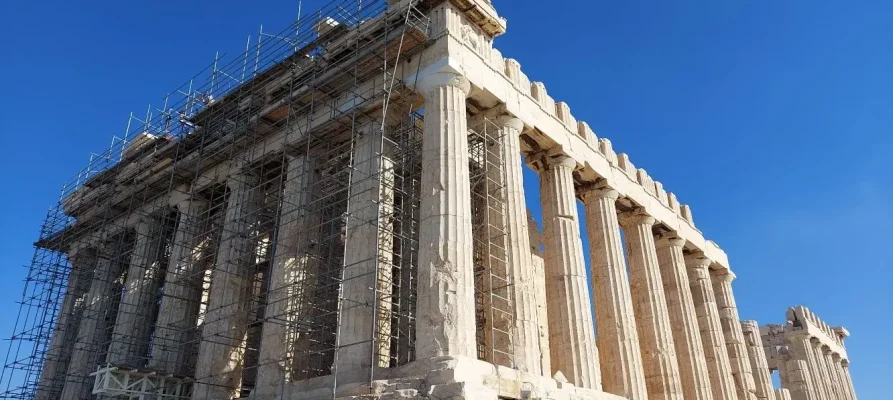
(773, 119)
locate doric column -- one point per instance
(618, 341)
(827, 362)
(133, 326)
(837, 368)
(91, 342)
(693, 372)
(848, 380)
(222, 348)
(529, 354)
(650, 308)
(571, 333)
(734, 337)
(291, 282)
(445, 320)
(709, 324)
(819, 372)
(801, 349)
(796, 379)
(178, 311)
(58, 354)
(758, 363)
(782, 394)
(364, 331)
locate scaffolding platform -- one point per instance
(135, 384)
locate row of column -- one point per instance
(813, 372)
(668, 327)
(663, 324)
(97, 327)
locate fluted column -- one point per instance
(833, 378)
(529, 353)
(801, 349)
(364, 332)
(618, 341)
(650, 308)
(734, 337)
(848, 380)
(445, 320)
(819, 372)
(58, 354)
(222, 348)
(693, 372)
(782, 394)
(178, 311)
(837, 369)
(758, 364)
(133, 326)
(796, 379)
(291, 282)
(709, 324)
(91, 342)
(571, 333)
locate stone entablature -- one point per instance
(809, 355)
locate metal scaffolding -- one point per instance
(231, 217)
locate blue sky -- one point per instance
(772, 119)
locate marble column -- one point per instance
(801, 349)
(58, 354)
(848, 380)
(618, 341)
(796, 379)
(838, 369)
(364, 331)
(181, 294)
(693, 372)
(530, 355)
(650, 309)
(782, 394)
(721, 382)
(571, 332)
(96, 321)
(734, 337)
(445, 320)
(291, 282)
(758, 363)
(221, 351)
(133, 327)
(820, 373)
(833, 378)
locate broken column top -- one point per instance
(800, 320)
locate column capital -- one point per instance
(668, 239)
(845, 363)
(191, 201)
(595, 191)
(841, 332)
(798, 335)
(635, 218)
(79, 249)
(240, 176)
(550, 159)
(750, 325)
(723, 275)
(559, 160)
(509, 121)
(697, 260)
(444, 77)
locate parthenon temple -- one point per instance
(339, 213)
